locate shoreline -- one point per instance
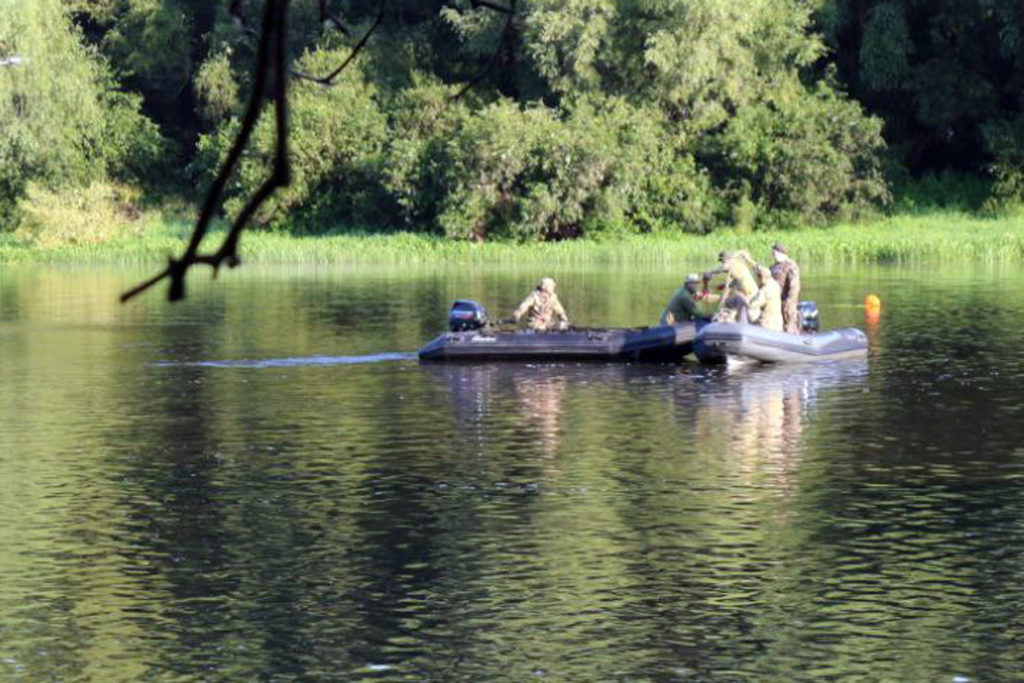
(926, 237)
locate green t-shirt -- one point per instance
(681, 306)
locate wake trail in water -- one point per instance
(291, 362)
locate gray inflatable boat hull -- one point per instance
(662, 343)
(716, 342)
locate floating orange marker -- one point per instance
(872, 312)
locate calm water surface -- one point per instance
(226, 489)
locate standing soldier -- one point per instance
(542, 307)
(765, 309)
(787, 274)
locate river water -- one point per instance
(262, 483)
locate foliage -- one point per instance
(519, 173)
(803, 159)
(424, 119)
(527, 173)
(886, 48)
(946, 190)
(544, 120)
(924, 238)
(1006, 138)
(93, 214)
(338, 132)
(703, 79)
(216, 88)
(61, 121)
(946, 75)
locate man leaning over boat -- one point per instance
(683, 306)
(762, 301)
(542, 309)
(740, 287)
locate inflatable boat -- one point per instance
(716, 342)
(471, 337)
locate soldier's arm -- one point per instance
(747, 258)
(708, 275)
(667, 316)
(794, 282)
(559, 311)
(756, 305)
(523, 307)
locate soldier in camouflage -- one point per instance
(542, 308)
(740, 286)
(787, 274)
(765, 309)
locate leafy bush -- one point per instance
(62, 123)
(802, 156)
(604, 165)
(1006, 141)
(945, 190)
(337, 134)
(94, 214)
(424, 119)
(216, 88)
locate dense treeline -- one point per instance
(519, 118)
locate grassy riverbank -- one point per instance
(939, 236)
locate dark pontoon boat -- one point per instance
(471, 338)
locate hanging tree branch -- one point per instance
(272, 60)
(505, 33)
(329, 78)
(271, 57)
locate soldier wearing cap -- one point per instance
(787, 273)
(740, 286)
(682, 307)
(542, 307)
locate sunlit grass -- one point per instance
(941, 236)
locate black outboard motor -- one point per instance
(808, 311)
(466, 315)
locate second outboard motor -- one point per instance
(466, 315)
(808, 311)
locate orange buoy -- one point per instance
(872, 312)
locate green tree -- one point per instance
(62, 122)
(946, 75)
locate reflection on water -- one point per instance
(756, 414)
(174, 509)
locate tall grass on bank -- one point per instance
(941, 236)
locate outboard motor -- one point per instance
(466, 315)
(808, 311)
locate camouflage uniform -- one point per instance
(765, 309)
(541, 309)
(733, 309)
(681, 308)
(787, 274)
(740, 287)
(741, 280)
